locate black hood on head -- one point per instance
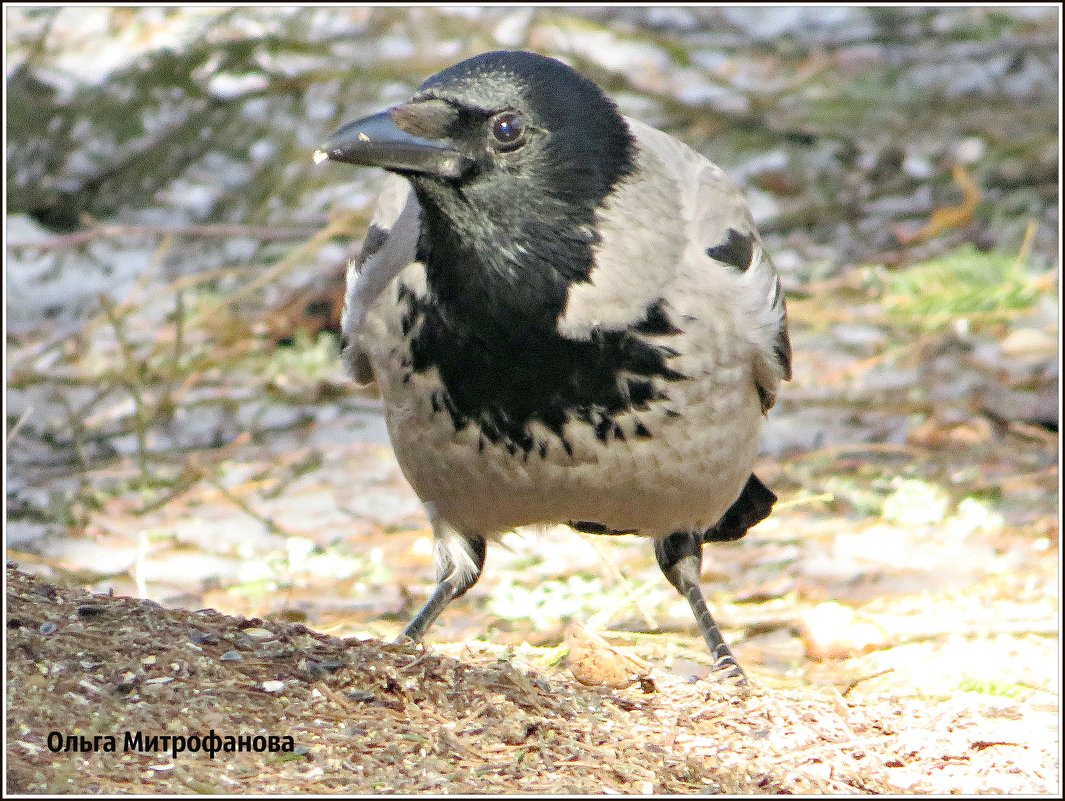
(519, 223)
(504, 149)
(588, 146)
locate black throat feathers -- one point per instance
(489, 324)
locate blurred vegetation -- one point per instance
(963, 285)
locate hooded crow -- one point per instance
(570, 317)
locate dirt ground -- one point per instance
(366, 717)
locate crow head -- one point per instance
(509, 152)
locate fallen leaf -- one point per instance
(595, 662)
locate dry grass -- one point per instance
(369, 717)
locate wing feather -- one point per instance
(724, 256)
(390, 246)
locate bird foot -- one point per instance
(728, 671)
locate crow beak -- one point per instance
(379, 141)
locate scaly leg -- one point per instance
(680, 556)
(459, 558)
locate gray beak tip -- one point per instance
(376, 141)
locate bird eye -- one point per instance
(508, 129)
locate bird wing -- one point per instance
(679, 249)
(390, 245)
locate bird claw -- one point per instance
(727, 669)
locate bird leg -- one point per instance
(459, 559)
(680, 556)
